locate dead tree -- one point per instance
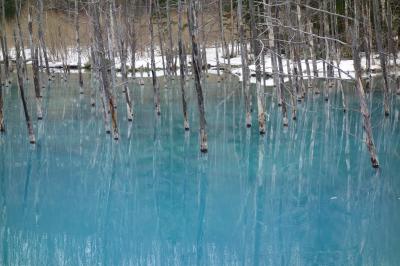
(18, 24)
(360, 88)
(257, 53)
(3, 41)
(2, 127)
(111, 42)
(78, 46)
(108, 102)
(225, 47)
(123, 51)
(170, 51)
(196, 64)
(160, 35)
(21, 90)
(132, 36)
(156, 87)
(35, 67)
(182, 67)
(382, 54)
(245, 68)
(41, 35)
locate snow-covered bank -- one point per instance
(143, 62)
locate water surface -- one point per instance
(303, 195)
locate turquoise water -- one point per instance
(305, 195)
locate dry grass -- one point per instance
(60, 29)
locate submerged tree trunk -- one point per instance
(21, 90)
(360, 89)
(182, 67)
(193, 32)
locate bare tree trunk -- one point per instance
(326, 28)
(382, 54)
(111, 42)
(132, 37)
(35, 67)
(109, 104)
(282, 85)
(225, 48)
(193, 31)
(360, 89)
(232, 32)
(391, 42)
(245, 69)
(78, 46)
(170, 53)
(313, 56)
(182, 67)
(41, 35)
(368, 47)
(4, 46)
(257, 54)
(2, 126)
(203, 38)
(123, 47)
(18, 14)
(160, 34)
(156, 88)
(21, 90)
(217, 61)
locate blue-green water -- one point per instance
(305, 195)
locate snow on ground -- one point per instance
(143, 61)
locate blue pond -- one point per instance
(302, 195)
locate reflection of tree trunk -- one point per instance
(203, 184)
(193, 31)
(259, 201)
(3, 212)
